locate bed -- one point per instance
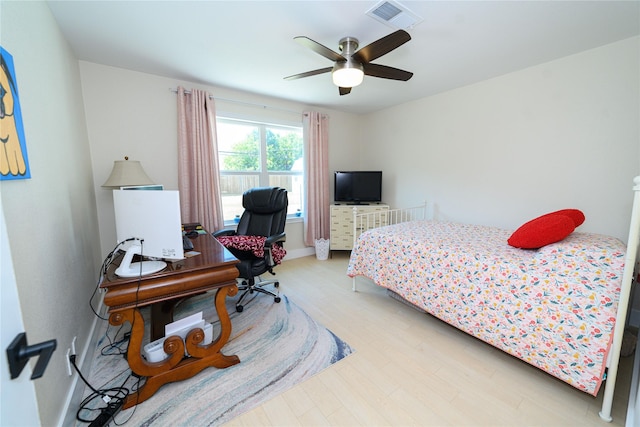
(555, 307)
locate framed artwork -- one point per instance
(14, 163)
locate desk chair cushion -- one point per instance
(254, 245)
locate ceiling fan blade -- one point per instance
(382, 46)
(319, 49)
(309, 73)
(344, 90)
(386, 72)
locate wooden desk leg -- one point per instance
(202, 357)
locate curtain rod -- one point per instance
(250, 104)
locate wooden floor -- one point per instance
(412, 369)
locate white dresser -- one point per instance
(342, 223)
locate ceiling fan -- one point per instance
(351, 65)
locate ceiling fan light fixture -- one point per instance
(350, 66)
(347, 74)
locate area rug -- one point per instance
(279, 346)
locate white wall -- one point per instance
(561, 134)
(564, 134)
(51, 218)
(135, 114)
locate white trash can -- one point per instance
(322, 249)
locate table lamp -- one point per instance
(126, 173)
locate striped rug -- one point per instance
(279, 346)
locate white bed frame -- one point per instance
(366, 221)
(369, 220)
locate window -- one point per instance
(256, 154)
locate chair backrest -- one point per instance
(265, 212)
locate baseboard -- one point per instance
(85, 360)
(299, 253)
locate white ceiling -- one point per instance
(249, 46)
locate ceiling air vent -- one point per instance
(394, 14)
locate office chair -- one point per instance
(262, 221)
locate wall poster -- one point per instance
(14, 163)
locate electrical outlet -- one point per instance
(71, 351)
(69, 371)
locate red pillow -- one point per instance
(576, 215)
(542, 231)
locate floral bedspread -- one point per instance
(253, 244)
(554, 307)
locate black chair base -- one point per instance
(257, 287)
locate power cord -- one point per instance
(107, 415)
(113, 397)
(116, 347)
(103, 271)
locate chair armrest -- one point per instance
(275, 238)
(225, 232)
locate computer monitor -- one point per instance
(148, 224)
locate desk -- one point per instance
(214, 268)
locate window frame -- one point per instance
(264, 174)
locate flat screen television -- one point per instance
(358, 187)
(148, 224)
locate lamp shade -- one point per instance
(347, 74)
(125, 173)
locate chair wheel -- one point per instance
(277, 299)
(239, 308)
(276, 285)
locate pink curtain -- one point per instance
(198, 177)
(316, 209)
